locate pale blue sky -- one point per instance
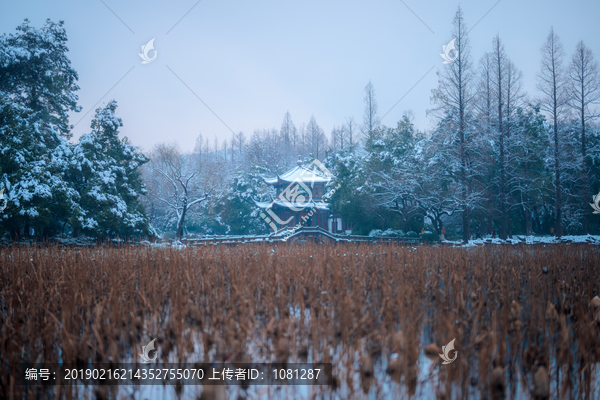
(250, 62)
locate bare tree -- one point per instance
(552, 85)
(499, 95)
(370, 120)
(199, 148)
(514, 104)
(187, 181)
(240, 142)
(288, 132)
(454, 106)
(515, 96)
(264, 148)
(317, 141)
(507, 97)
(584, 92)
(301, 147)
(350, 130)
(499, 62)
(484, 101)
(338, 137)
(224, 149)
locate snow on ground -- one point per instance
(589, 239)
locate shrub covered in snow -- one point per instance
(387, 233)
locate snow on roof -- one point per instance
(285, 204)
(300, 174)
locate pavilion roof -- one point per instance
(299, 174)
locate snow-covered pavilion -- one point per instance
(301, 200)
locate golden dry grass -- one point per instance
(523, 317)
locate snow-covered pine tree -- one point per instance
(105, 171)
(37, 89)
(351, 199)
(36, 73)
(235, 212)
(33, 160)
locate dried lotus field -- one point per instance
(525, 320)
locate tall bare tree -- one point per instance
(552, 85)
(370, 120)
(240, 142)
(454, 103)
(515, 102)
(224, 149)
(507, 97)
(499, 62)
(199, 147)
(338, 137)
(350, 128)
(288, 132)
(584, 92)
(317, 141)
(484, 101)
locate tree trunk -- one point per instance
(466, 226)
(556, 158)
(180, 223)
(558, 191)
(586, 212)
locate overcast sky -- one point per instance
(250, 62)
